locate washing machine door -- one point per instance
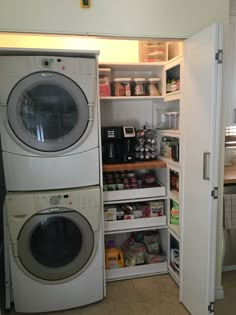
(56, 244)
(48, 112)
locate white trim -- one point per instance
(229, 268)
(219, 293)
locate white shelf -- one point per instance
(136, 271)
(128, 194)
(174, 231)
(132, 200)
(172, 96)
(170, 162)
(123, 226)
(173, 274)
(173, 194)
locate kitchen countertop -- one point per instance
(230, 175)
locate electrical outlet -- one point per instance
(85, 3)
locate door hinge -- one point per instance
(219, 56)
(211, 307)
(214, 193)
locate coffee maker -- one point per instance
(118, 144)
(129, 143)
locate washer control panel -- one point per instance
(74, 199)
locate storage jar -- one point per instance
(153, 87)
(122, 86)
(139, 88)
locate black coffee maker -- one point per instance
(129, 143)
(118, 144)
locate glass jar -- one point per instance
(153, 87)
(168, 86)
(122, 86)
(139, 89)
(173, 85)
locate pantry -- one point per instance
(160, 209)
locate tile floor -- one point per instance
(157, 295)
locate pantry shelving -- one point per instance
(114, 111)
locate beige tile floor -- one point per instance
(157, 295)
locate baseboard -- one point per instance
(219, 293)
(229, 268)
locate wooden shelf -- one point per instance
(134, 166)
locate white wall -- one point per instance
(158, 18)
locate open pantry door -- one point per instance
(200, 155)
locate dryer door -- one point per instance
(48, 112)
(56, 244)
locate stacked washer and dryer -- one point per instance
(50, 146)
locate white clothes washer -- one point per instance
(56, 249)
(49, 119)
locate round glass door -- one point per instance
(55, 246)
(48, 111)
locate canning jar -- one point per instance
(139, 89)
(153, 86)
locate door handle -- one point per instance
(206, 165)
(234, 116)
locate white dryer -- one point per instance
(49, 119)
(56, 249)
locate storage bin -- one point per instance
(152, 51)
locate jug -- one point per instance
(113, 256)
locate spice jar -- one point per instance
(173, 85)
(153, 88)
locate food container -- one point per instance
(173, 120)
(139, 88)
(153, 87)
(122, 86)
(104, 82)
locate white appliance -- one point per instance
(55, 248)
(49, 120)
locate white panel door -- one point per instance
(200, 110)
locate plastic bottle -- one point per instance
(113, 256)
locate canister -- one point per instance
(104, 82)
(153, 87)
(139, 89)
(122, 86)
